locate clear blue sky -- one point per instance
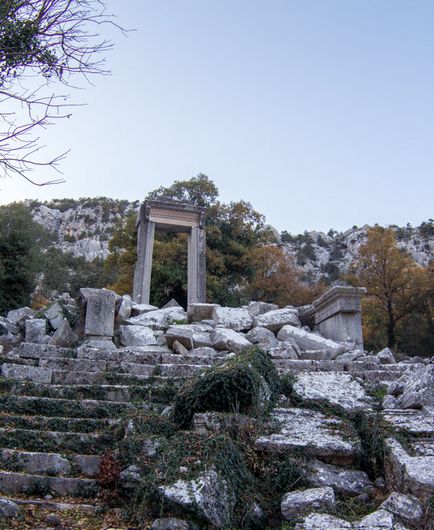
(320, 113)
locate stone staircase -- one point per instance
(59, 409)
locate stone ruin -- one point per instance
(170, 217)
(67, 385)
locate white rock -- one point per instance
(19, 315)
(406, 507)
(160, 318)
(136, 336)
(336, 388)
(275, 320)
(418, 388)
(310, 341)
(348, 482)
(54, 314)
(230, 340)
(381, 519)
(296, 503)
(386, 356)
(323, 521)
(209, 495)
(36, 329)
(259, 308)
(140, 309)
(263, 336)
(126, 307)
(237, 319)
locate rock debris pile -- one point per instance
(214, 417)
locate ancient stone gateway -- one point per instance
(170, 217)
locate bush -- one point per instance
(236, 386)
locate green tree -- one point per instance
(20, 255)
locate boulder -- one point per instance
(209, 496)
(230, 340)
(36, 329)
(136, 336)
(297, 503)
(323, 521)
(238, 319)
(348, 482)
(262, 336)
(64, 336)
(381, 519)
(54, 314)
(160, 318)
(275, 320)
(125, 307)
(335, 388)
(170, 523)
(310, 341)
(9, 510)
(16, 316)
(408, 508)
(259, 308)
(386, 356)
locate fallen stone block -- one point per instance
(170, 523)
(160, 318)
(275, 320)
(310, 341)
(406, 507)
(230, 340)
(136, 336)
(349, 482)
(296, 503)
(418, 388)
(7, 326)
(237, 319)
(386, 356)
(199, 311)
(16, 316)
(125, 308)
(259, 308)
(263, 336)
(64, 336)
(381, 519)
(140, 309)
(323, 521)
(54, 314)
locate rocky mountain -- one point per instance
(83, 228)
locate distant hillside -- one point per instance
(83, 228)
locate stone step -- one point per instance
(35, 440)
(53, 506)
(30, 350)
(55, 423)
(41, 485)
(88, 408)
(53, 464)
(81, 365)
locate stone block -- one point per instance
(275, 320)
(296, 503)
(234, 318)
(310, 341)
(35, 374)
(160, 319)
(259, 308)
(408, 508)
(200, 311)
(229, 340)
(16, 316)
(348, 482)
(100, 313)
(136, 336)
(36, 329)
(54, 314)
(125, 307)
(64, 336)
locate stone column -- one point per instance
(196, 285)
(338, 314)
(142, 273)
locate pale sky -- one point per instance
(318, 112)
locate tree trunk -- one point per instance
(391, 339)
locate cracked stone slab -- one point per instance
(335, 388)
(329, 439)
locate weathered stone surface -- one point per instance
(136, 336)
(170, 523)
(408, 474)
(54, 314)
(259, 308)
(36, 329)
(386, 356)
(416, 422)
(197, 312)
(381, 519)
(329, 439)
(282, 351)
(9, 510)
(27, 373)
(310, 341)
(348, 482)
(160, 318)
(100, 313)
(189, 335)
(179, 348)
(296, 503)
(351, 356)
(235, 318)
(323, 521)
(125, 307)
(171, 303)
(336, 388)
(31, 462)
(275, 320)
(130, 477)
(209, 495)
(230, 340)
(418, 388)
(64, 336)
(16, 316)
(263, 336)
(36, 351)
(406, 507)
(140, 309)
